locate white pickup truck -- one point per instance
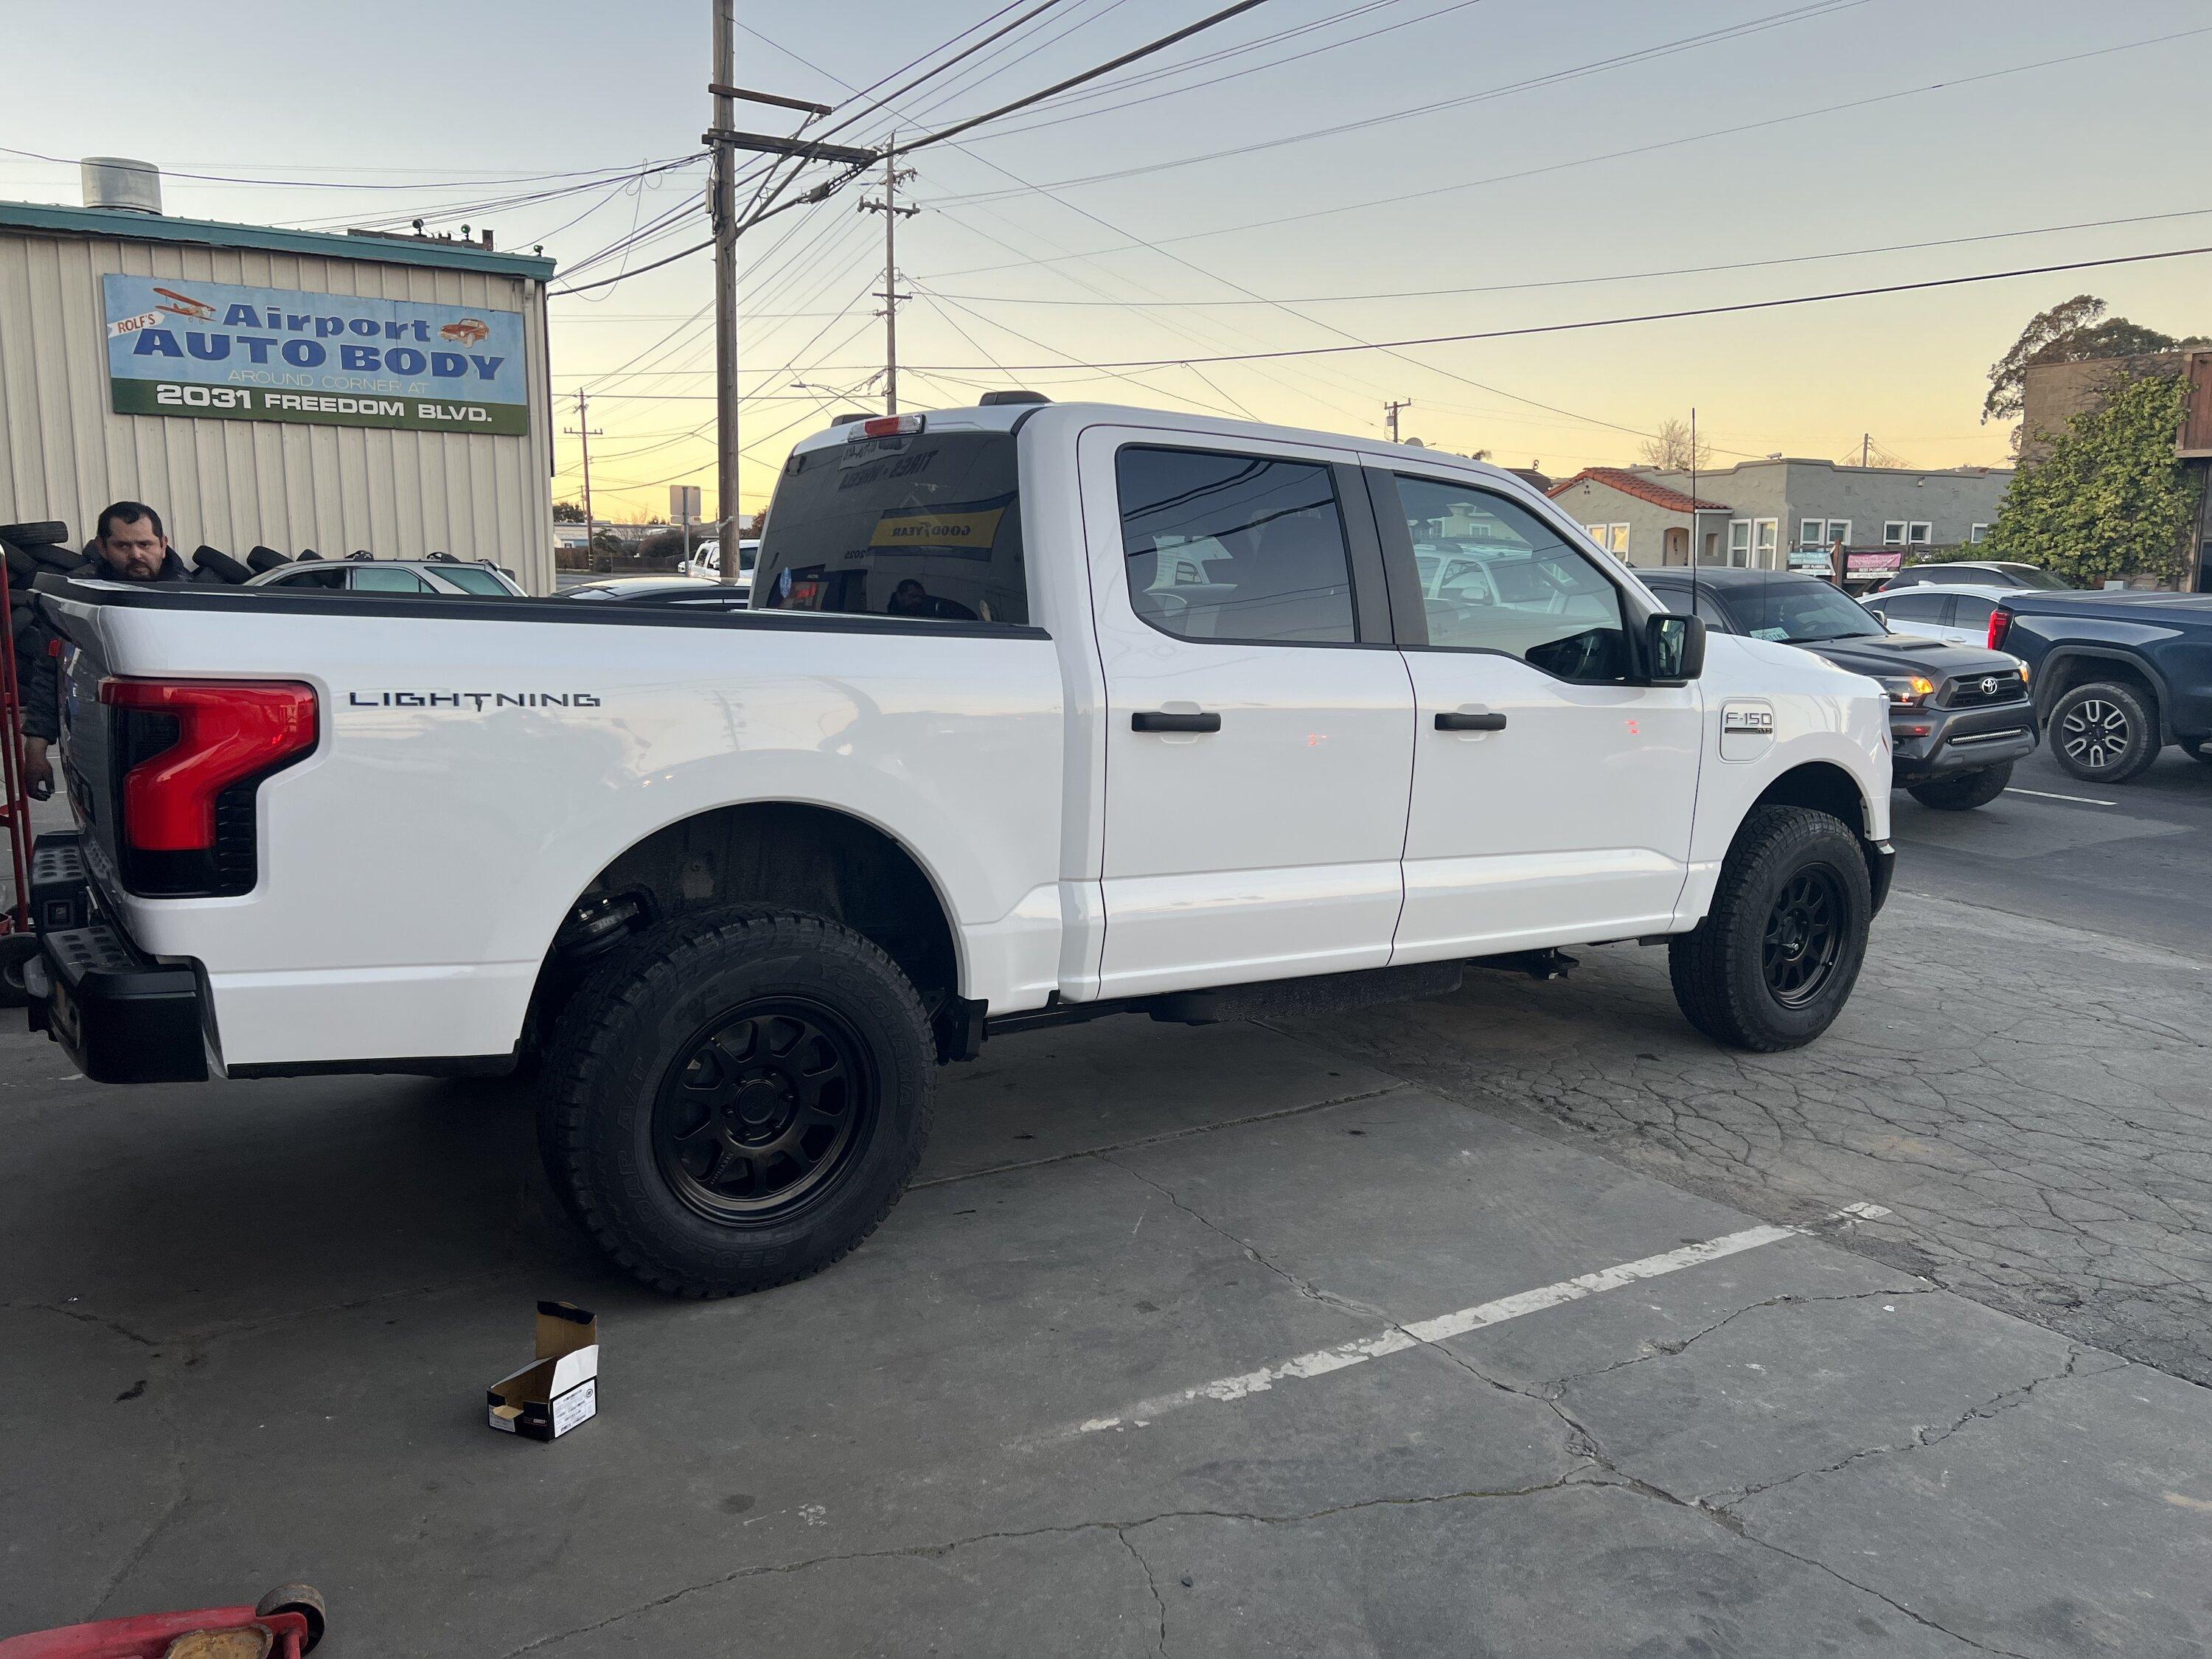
(1040, 712)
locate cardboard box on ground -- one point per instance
(560, 1387)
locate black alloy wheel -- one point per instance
(758, 1114)
(2095, 734)
(1804, 936)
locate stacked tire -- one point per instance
(32, 551)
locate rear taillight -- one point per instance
(2000, 625)
(188, 754)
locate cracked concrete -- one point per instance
(1808, 1447)
(2031, 1104)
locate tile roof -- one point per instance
(1641, 487)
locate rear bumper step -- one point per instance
(121, 1017)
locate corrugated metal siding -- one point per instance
(63, 455)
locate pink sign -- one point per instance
(1872, 562)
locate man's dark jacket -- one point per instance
(37, 666)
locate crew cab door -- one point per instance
(1259, 719)
(1552, 794)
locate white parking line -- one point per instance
(2045, 794)
(1397, 1339)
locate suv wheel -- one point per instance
(2102, 732)
(1775, 959)
(1962, 792)
(737, 1099)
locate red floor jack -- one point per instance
(285, 1624)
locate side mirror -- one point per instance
(1674, 647)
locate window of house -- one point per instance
(1918, 533)
(1893, 532)
(1508, 582)
(1810, 531)
(1612, 537)
(1764, 535)
(1739, 542)
(1979, 534)
(1840, 530)
(1264, 537)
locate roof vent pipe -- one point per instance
(119, 183)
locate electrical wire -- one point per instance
(1619, 154)
(1617, 322)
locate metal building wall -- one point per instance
(232, 483)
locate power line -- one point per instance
(1666, 49)
(1145, 50)
(1584, 282)
(1612, 155)
(1616, 322)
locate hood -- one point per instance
(1904, 653)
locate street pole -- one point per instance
(723, 209)
(1866, 443)
(582, 430)
(1391, 409)
(892, 211)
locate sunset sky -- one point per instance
(1589, 152)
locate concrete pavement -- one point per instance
(1521, 1321)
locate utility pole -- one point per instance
(1866, 444)
(1391, 409)
(892, 212)
(585, 431)
(723, 210)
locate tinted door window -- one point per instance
(1526, 591)
(367, 580)
(299, 580)
(1926, 607)
(1971, 612)
(1234, 547)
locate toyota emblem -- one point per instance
(1989, 685)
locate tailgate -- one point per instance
(86, 738)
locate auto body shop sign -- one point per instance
(211, 350)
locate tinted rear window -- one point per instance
(926, 526)
(471, 579)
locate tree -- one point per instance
(568, 513)
(1670, 450)
(2110, 499)
(2072, 332)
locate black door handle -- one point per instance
(1153, 721)
(1470, 722)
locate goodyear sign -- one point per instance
(216, 351)
(941, 529)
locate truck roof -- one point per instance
(1004, 417)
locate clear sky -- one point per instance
(1582, 146)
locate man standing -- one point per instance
(131, 546)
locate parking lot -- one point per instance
(1522, 1321)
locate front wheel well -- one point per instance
(1826, 787)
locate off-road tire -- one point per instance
(1962, 792)
(636, 1018)
(2111, 719)
(262, 559)
(221, 564)
(1720, 970)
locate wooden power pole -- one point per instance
(892, 212)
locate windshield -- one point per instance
(1798, 611)
(926, 526)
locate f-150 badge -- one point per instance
(1746, 719)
